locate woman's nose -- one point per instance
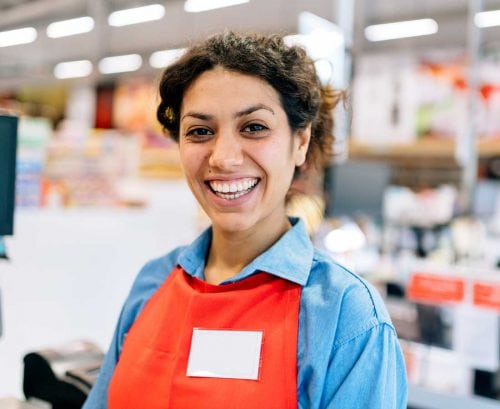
(227, 152)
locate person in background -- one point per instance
(250, 314)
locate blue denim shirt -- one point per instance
(348, 353)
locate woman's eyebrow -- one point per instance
(253, 108)
(246, 111)
(198, 115)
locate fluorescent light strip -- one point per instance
(73, 69)
(318, 45)
(18, 36)
(487, 18)
(195, 6)
(121, 63)
(136, 15)
(401, 29)
(70, 27)
(161, 59)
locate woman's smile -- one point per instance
(232, 189)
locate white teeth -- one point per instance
(231, 196)
(233, 190)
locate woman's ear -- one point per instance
(301, 142)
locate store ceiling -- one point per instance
(33, 63)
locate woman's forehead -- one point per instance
(222, 86)
(222, 74)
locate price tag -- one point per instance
(435, 288)
(486, 295)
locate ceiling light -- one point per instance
(487, 18)
(195, 6)
(318, 45)
(121, 63)
(136, 15)
(73, 69)
(161, 59)
(401, 29)
(70, 27)
(18, 36)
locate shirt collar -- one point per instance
(289, 258)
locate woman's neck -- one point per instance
(231, 251)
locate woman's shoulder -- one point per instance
(148, 280)
(155, 271)
(351, 302)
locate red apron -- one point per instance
(151, 371)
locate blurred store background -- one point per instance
(411, 202)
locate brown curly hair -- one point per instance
(286, 68)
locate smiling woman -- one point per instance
(234, 132)
(249, 315)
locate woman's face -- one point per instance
(238, 151)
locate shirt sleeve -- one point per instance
(98, 396)
(146, 283)
(367, 371)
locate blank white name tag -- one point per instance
(225, 354)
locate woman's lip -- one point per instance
(230, 178)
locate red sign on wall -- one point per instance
(487, 295)
(435, 288)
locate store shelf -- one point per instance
(427, 149)
(422, 398)
(160, 163)
(428, 162)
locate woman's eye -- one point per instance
(200, 133)
(253, 128)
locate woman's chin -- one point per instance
(231, 223)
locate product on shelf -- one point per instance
(33, 137)
(83, 168)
